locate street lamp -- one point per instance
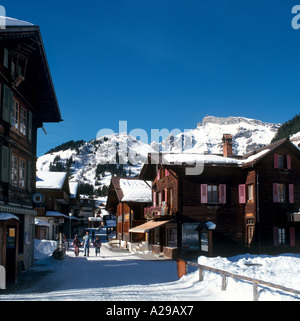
(70, 215)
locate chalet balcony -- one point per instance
(157, 211)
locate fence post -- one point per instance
(223, 282)
(2, 277)
(200, 274)
(255, 292)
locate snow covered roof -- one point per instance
(7, 216)
(56, 214)
(73, 186)
(50, 180)
(41, 222)
(14, 22)
(136, 190)
(129, 190)
(187, 158)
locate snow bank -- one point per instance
(282, 270)
(44, 248)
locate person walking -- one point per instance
(76, 244)
(86, 243)
(97, 245)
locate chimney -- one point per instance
(227, 145)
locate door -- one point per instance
(11, 253)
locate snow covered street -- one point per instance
(123, 276)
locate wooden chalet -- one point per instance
(236, 202)
(28, 99)
(127, 199)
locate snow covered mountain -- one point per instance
(248, 135)
(94, 161)
(86, 163)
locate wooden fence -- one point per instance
(226, 274)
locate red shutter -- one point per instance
(242, 194)
(166, 195)
(275, 193)
(158, 174)
(275, 236)
(204, 193)
(288, 161)
(292, 236)
(291, 193)
(222, 193)
(167, 173)
(276, 162)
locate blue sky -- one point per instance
(165, 63)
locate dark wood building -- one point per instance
(127, 199)
(236, 202)
(28, 99)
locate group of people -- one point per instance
(87, 241)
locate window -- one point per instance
(250, 195)
(281, 236)
(279, 193)
(23, 121)
(22, 170)
(18, 171)
(212, 193)
(15, 115)
(14, 170)
(19, 118)
(280, 161)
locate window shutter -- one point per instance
(7, 104)
(29, 175)
(154, 199)
(292, 236)
(275, 236)
(158, 174)
(166, 195)
(291, 193)
(242, 194)
(275, 193)
(5, 164)
(5, 58)
(288, 161)
(276, 161)
(29, 125)
(204, 193)
(222, 194)
(167, 173)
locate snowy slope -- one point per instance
(100, 151)
(248, 134)
(296, 139)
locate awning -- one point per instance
(146, 227)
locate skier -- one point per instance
(86, 243)
(76, 244)
(97, 245)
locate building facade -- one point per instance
(27, 101)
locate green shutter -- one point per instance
(7, 101)
(5, 164)
(29, 125)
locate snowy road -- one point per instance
(112, 276)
